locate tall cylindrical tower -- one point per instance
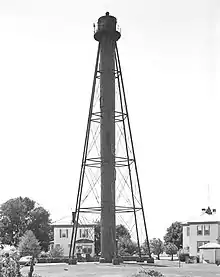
(107, 35)
(109, 184)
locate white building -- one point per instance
(85, 239)
(209, 253)
(200, 231)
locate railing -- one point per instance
(97, 27)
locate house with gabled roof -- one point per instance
(201, 230)
(85, 238)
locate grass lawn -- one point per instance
(169, 269)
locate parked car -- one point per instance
(26, 260)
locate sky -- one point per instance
(169, 51)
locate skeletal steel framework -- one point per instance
(127, 204)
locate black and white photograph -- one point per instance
(109, 138)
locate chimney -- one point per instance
(73, 216)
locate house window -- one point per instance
(199, 230)
(63, 233)
(187, 231)
(87, 249)
(57, 245)
(206, 229)
(200, 243)
(84, 233)
(79, 249)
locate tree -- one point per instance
(97, 238)
(157, 247)
(13, 216)
(171, 249)
(41, 227)
(126, 246)
(121, 232)
(174, 234)
(29, 245)
(145, 248)
(56, 252)
(20, 214)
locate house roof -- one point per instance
(70, 225)
(210, 245)
(205, 217)
(63, 221)
(67, 223)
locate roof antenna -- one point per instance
(208, 196)
(208, 211)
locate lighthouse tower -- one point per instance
(107, 36)
(109, 183)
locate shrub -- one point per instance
(53, 260)
(34, 275)
(10, 266)
(149, 273)
(57, 251)
(29, 245)
(44, 254)
(183, 256)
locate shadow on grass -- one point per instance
(145, 264)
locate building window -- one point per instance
(57, 245)
(87, 249)
(84, 233)
(199, 230)
(63, 233)
(200, 243)
(206, 229)
(187, 231)
(79, 249)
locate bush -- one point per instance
(96, 258)
(34, 275)
(149, 273)
(183, 256)
(79, 257)
(133, 258)
(9, 265)
(89, 258)
(44, 254)
(56, 252)
(53, 260)
(193, 259)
